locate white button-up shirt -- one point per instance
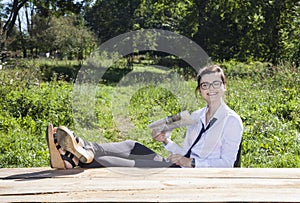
(219, 145)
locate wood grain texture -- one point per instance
(150, 185)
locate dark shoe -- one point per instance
(66, 139)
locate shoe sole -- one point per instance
(55, 158)
(68, 142)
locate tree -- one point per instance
(249, 30)
(172, 15)
(109, 18)
(284, 42)
(37, 15)
(7, 28)
(69, 36)
(48, 8)
(226, 29)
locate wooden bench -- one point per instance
(150, 185)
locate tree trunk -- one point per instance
(22, 38)
(10, 23)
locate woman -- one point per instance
(213, 141)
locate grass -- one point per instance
(266, 98)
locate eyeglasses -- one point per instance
(215, 85)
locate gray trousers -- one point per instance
(123, 154)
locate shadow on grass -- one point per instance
(113, 75)
(69, 73)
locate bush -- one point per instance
(26, 109)
(266, 97)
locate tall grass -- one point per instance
(266, 98)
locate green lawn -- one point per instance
(266, 98)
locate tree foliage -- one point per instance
(233, 29)
(111, 18)
(67, 35)
(11, 13)
(50, 25)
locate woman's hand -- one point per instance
(180, 160)
(160, 137)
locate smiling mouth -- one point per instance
(211, 93)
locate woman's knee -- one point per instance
(131, 143)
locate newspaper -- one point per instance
(169, 123)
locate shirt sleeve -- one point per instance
(190, 134)
(174, 148)
(231, 139)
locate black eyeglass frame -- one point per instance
(215, 84)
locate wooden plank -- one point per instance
(176, 195)
(149, 185)
(13, 187)
(288, 173)
(168, 191)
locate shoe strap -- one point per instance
(68, 158)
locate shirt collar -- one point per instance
(219, 114)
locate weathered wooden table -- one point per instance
(150, 185)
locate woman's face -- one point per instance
(212, 88)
